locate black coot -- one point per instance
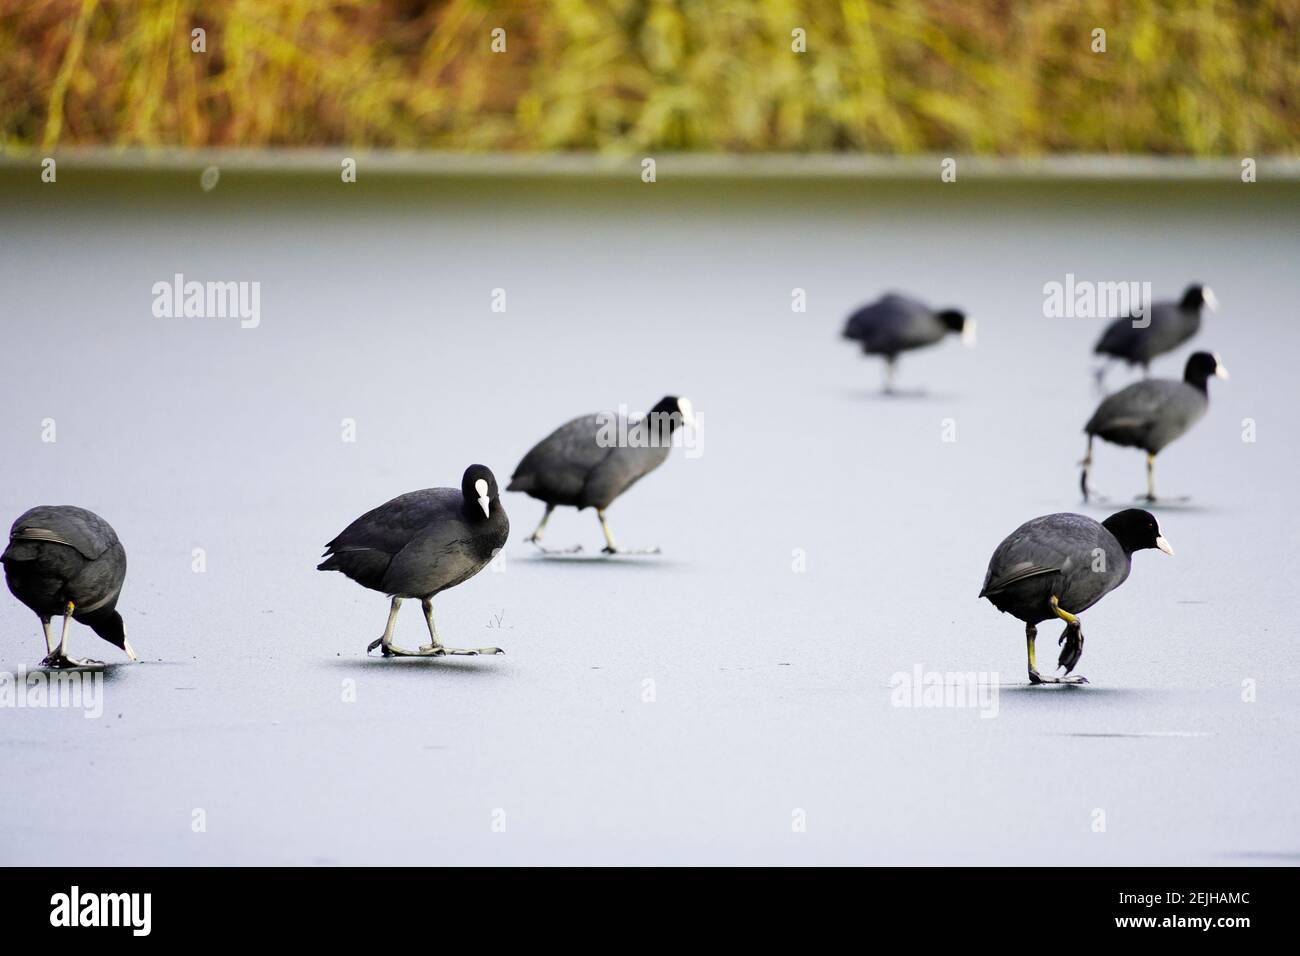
(895, 323)
(1171, 324)
(63, 560)
(1152, 413)
(419, 544)
(1059, 566)
(590, 461)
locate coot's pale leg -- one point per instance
(386, 640)
(536, 537)
(610, 546)
(889, 375)
(435, 647)
(1151, 477)
(59, 657)
(49, 639)
(1087, 465)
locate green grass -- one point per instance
(1194, 77)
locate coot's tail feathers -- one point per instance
(1020, 574)
(363, 565)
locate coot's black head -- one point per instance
(479, 486)
(1200, 366)
(1137, 530)
(955, 320)
(671, 413)
(1197, 296)
(110, 626)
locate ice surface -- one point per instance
(772, 689)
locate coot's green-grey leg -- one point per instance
(1086, 464)
(610, 546)
(889, 374)
(386, 640)
(1072, 638)
(1150, 497)
(1031, 632)
(49, 640)
(435, 647)
(536, 536)
(60, 657)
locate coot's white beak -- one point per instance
(1164, 545)
(130, 651)
(484, 501)
(1208, 295)
(968, 333)
(1219, 370)
(687, 412)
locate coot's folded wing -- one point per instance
(83, 531)
(1133, 408)
(364, 549)
(1047, 545)
(560, 463)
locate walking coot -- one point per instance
(1059, 566)
(422, 543)
(590, 461)
(1171, 324)
(1152, 413)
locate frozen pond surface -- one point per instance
(771, 688)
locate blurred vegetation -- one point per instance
(971, 76)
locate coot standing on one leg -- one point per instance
(422, 543)
(590, 461)
(1059, 566)
(64, 560)
(1152, 413)
(895, 323)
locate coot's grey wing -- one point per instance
(1047, 545)
(1120, 339)
(557, 467)
(83, 531)
(365, 548)
(1167, 327)
(887, 309)
(443, 554)
(894, 324)
(1146, 414)
(1170, 327)
(621, 469)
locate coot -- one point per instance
(1060, 565)
(419, 544)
